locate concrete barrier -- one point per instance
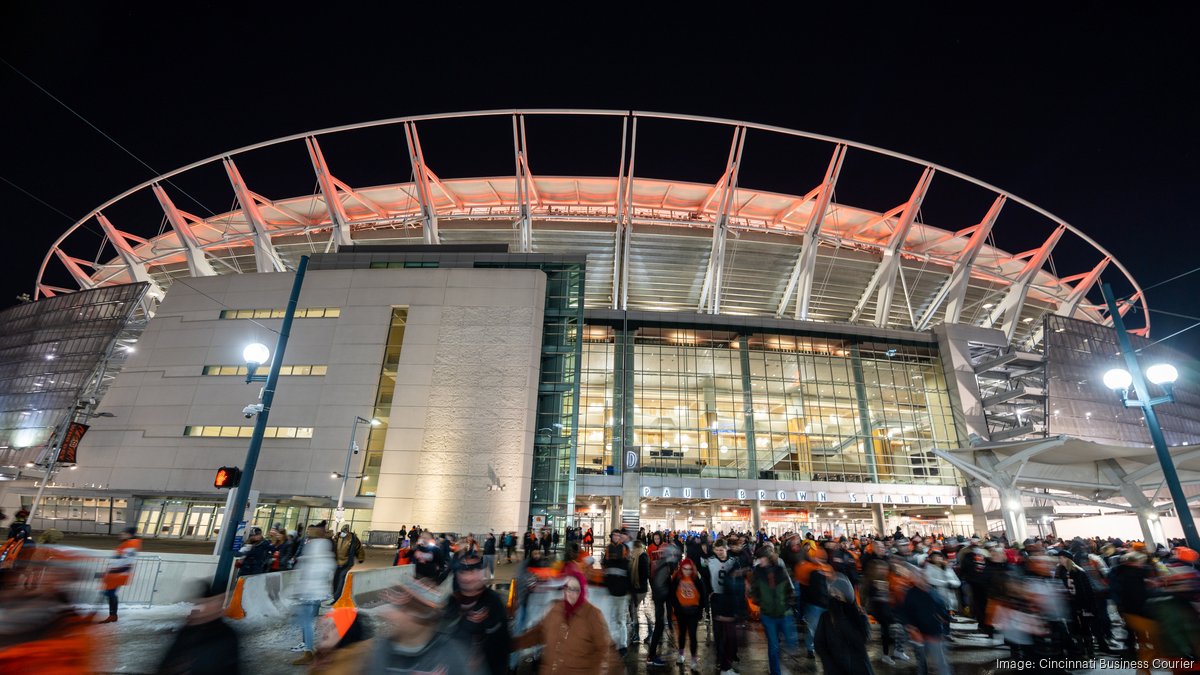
(262, 596)
(363, 587)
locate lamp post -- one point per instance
(255, 355)
(1163, 375)
(339, 514)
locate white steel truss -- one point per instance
(674, 232)
(954, 291)
(801, 279)
(884, 279)
(423, 183)
(710, 292)
(1009, 308)
(624, 208)
(198, 265)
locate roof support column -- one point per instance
(198, 265)
(883, 282)
(804, 270)
(1068, 306)
(954, 291)
(1009, 308)
(337, 212)
(422, 182)
(137, 268)
(524, 222)
(710, 292)
(1152, 528)
(624, 231)
(265, 257)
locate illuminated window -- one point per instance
(247, 432)
(283, 370)
(303, 313)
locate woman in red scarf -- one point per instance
(574, 633)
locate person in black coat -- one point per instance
(843, 633)
(257, 554)
(480, 617)
(205, 645)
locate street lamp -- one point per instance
(340, 513)
(1163, 375)
(256, 355)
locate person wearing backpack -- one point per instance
(689, 599)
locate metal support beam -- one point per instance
(524, 182)
(73, 266)
(422, 182)
(624, 230)
(710, 293)
(1068, 306)
(134, 264)
(954, 291)
(883, 282)
(337, 212)
(265, 257)
(1029, 453)
(1009, 308)
(198, 265)
(804, 271)
(1155, 468)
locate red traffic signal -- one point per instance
(227, 477)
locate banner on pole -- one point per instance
(68, 451)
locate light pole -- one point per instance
(1163, 375)
(255, 355)
(339, 514)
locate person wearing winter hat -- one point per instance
(843, 632)
(414, 634)
(479, 616)
(574, 634)
(690, 599)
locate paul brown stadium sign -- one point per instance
(742, 494)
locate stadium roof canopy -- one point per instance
(652, 243)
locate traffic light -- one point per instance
(227, 477)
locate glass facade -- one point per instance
(726, 404)
(1078, 353)
(383, 403)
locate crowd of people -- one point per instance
(589, 606)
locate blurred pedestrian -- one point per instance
(843, 633)
(771, 590)
(120, 569)
(576, 639)
(479, 617)
(205, 644)
(311, 587)
(415, 637)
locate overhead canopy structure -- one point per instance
(721, 246)
(1072, 470)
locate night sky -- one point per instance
(1090, 114)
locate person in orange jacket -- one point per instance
(120, 569)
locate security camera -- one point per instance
(252, 410)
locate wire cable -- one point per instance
(100, 131)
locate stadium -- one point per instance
(778, 346)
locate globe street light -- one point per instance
(1163, 375)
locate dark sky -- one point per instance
(1087, 112)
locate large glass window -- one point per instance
(383, 402)
(719, 404)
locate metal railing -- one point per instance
(381, 538)
(139, 592)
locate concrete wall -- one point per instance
(463, 406)
(463, 414)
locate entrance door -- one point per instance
(200, 521)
